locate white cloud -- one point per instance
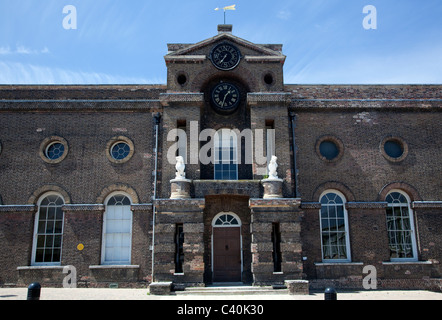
(20, 49)
(284, 15)
(5, 50)
(19, 73)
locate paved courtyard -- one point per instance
(142, 294)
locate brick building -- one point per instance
(88, 177)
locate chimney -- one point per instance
(225, 28)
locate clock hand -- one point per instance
(224, 100)
(225, 96)
(225, 56)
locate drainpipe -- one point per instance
(295, 167)
(157, 118)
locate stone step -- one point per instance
(232, 290)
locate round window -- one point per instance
(120, 151)
(394, 149)
(329, 148)
(181, 79)
(54, 150)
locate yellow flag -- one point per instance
(232, 7)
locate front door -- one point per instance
(227, 254)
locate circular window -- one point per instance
(181, 79)
(119, 149)
(53, 150)
(394, 149)
(268, 79)
(329, 148)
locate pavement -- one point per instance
(143, 294)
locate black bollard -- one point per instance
(330, 294)
(34, 291)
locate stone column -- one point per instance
(287, 213)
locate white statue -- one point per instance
(273, 166)
(180, 167)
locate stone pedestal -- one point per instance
(298, 287)
(160, 288)
(180, 188)
(272, 188)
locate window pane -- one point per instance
(393, 148)
(329, 150)
(39, 255)
(41, 227)
(324, 212)
(120, 151)
(56, 255)
(47, 256)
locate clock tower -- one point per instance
(224, 82)
(226, 95)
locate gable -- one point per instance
(199, 51)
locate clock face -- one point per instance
(225, 97)
(225, 56)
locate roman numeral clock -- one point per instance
(225, 95)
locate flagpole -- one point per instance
(232, 7)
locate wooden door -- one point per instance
(226, 254)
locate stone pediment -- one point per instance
(199, 52)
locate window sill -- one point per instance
(324, 264)
(406, 262)
(40, 268)
(114, 266)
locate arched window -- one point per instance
(48, 232)
(226, 157)
(117, 231)
(334, 227)
(400, 227)
(226, 220)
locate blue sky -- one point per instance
(123, 42)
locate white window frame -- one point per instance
(347, 234)
(35, 237)
(104, 233)
(412, 226)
